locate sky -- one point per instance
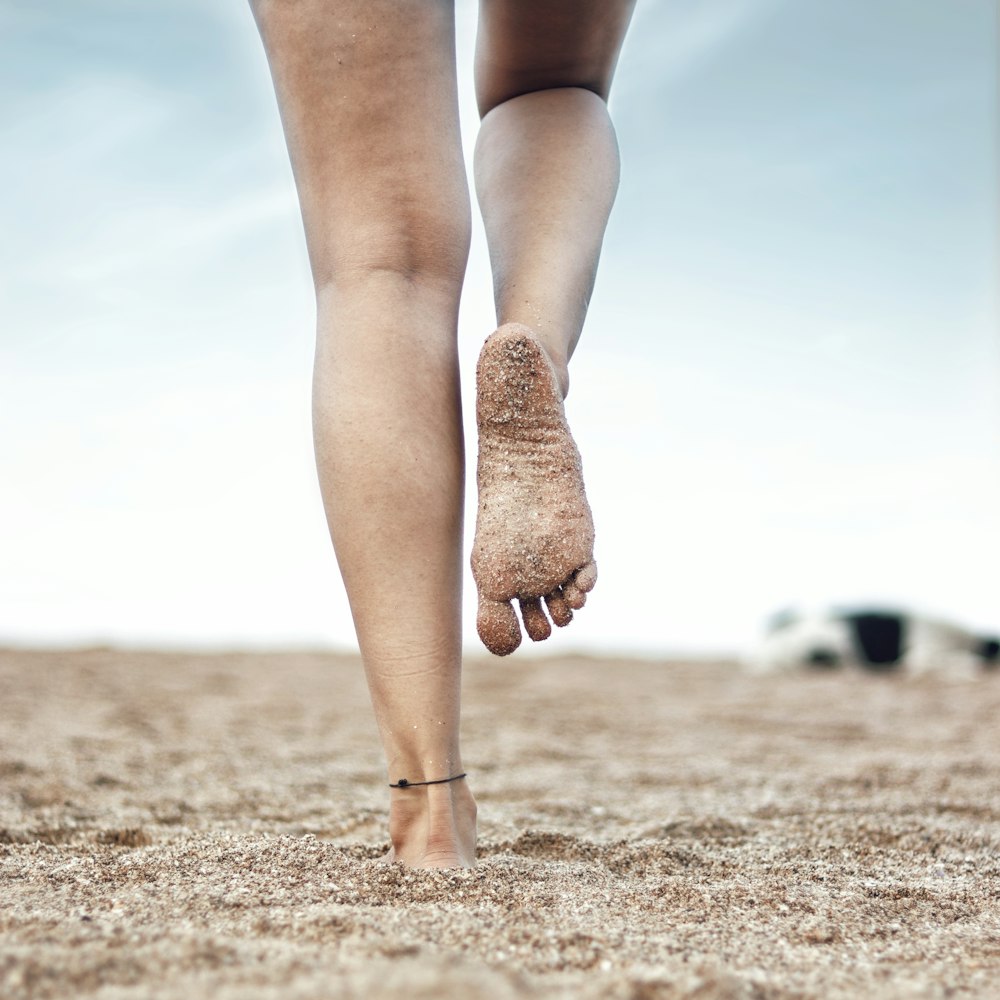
(787, 392)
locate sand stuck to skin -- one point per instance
(534, 528)
(186, 826)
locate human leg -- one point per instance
(366, 90)
(546, 175)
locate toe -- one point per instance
(561, 612)
(535, 623)
(574, 596)
(497, 626)
(586, 577)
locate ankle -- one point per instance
(561, 367)
(433, 826)
(553, 350)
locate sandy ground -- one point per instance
(185, 826)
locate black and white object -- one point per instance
(879, 640)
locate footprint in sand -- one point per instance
(534, 530)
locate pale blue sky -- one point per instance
(787, 391)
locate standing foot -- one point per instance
(534, 530)
(433, 826)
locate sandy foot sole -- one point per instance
(534, 529)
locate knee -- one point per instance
(491, 97)
(554, 107)
(413, 248)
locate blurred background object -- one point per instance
(879, 640)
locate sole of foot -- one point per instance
(534, 529)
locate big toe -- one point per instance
(497, 626)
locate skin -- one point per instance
(367, 95)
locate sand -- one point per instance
(184, 826)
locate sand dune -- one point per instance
(184, 826)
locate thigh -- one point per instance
(367, 94)
(528, 45)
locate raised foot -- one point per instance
(534, 530)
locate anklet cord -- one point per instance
(403, 783)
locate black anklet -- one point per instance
(403, 783)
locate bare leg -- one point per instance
(546, 176)
(366, 90)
